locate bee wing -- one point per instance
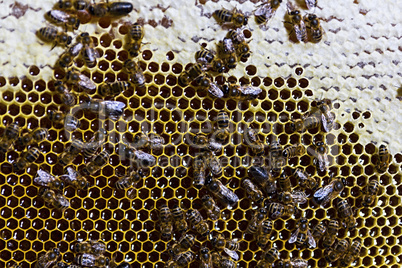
(290, 6)
(311, 240)
(43, 178)
(299, 196)
(300, 30)
(264, 9)
(311, 3)
(325, 123)
(215, 90)
(293, 237)
(71, 175)
(86, 83)
(299, 263)
(227, 195)
(322, 195)
(62, 200)
(233, 254)
(240, 35)
(114, 109)
(60, 15)
(75, 49)
(250, 91)
(228, 45)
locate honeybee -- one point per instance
(318, 231)
(325, 194)
(293, 263)
(76, 78)
(345, 212)
(136, 36)
(327, 117)
(50, 34)
(352, 253)
(196, 70)
(256, 220)
(48, 259)
(245, 92)
(26, 159)
(76, 4)
(179, 219)
(305, 123)
(205, 258)
(220, 191)
(68, 98)
(104, 108)
(299, 28)
(284, 183)
(228, 245)
(197, 222)
(302, 236)
(213, 211)
(199, 171)
(252, 139)
(266, 11)
(213, 164)
(221, 261)
(294, 150)
(36, 135)
(166, 226)
(58, 201)
(90, 246)
(114, 9)
(296, 197)
(223, 124)
(91, 260)
(310, 4)
(136, 74)
(75, 179)
(126, 182)
(252, 190)
(239, 41)
(278, 210)
(71, 152)
(70, 122)
(384, 158)
(304, 180)
(185, 243)
(340, 248)
(183, 260)
(92, 146)
(97, 162)
(268, 258)
(209, 57)
(370, 192)
(277, 161)
(207, 84)
(313, 24)
(264, 233)
(330, 236)
(235, 17)
(227, 52)
(43, 178)
(263, 177)
(65, 60)
(10, 135)
(320, 156)
(152, 141)
(113, 89)
(141, 159)
(61, 18)
(90, 53)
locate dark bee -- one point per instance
(209, 57)
(384, 158)
(256, 220)
(310, 4)
(275, 149)
(325, 194)
(26, 159)
(264, 233)
(266, 11)
(205, 258)
(213, 164)
(70, 122)
(206, 83)
(166, 226)
(96, 163)
(299, 28)
(67, 98)
(58, 201)
(48, 259)
(263, 178)
(92, 146)
(197, 222)
(91, 260)
(239, 40)
(235, 18)
(179, 219)
(89, 52)
(105, 108)
(196, 70)
(50, 34)
(330, 236)
(213, 211)
(252, 190)
(61, 18)
(136, 36)
(10, 135)
(152, 141)
(127, 181)
(184, 244)
(199, 174)
(345, 213)
(302, 236)
(220, 191)
(76, 78)
(90, 246)
(114, 9)
(221, 261)
(268, 258)
(294, 150)
(71, 152)
(293, 263)
(227, 52)
(35, 136)
(313, 24)
(318, 231)
(327, 117)
(278, 210)
(223, 125)
(320, 156)
(370, 192)
(230, 246)
(340, 248)
(113, 89)
(75, 179)
(252, 139)
(352, 253)
(304, 180)
(136, 74)
(43, 178)
(237, 92)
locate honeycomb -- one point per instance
(127, 221)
